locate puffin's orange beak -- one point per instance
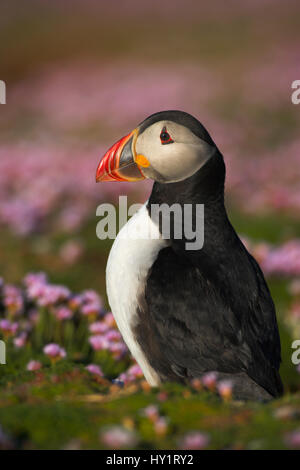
(119, 162)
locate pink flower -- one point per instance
(225, 389)
(75, 302)
(36, 290)
(118, 349)
(54, 351)
(284, 260)
(94, 369)
(113, 335)
(35, 278)
(71, 251)
(209, 380)
(118, 437)
(151, 412)
(8, 327)
(135, 371)
(109, 319)
(47, 295)
(90, 297)
(98, 342)
(161, 426)
(131, 374)
(98, 327)
(194, 440)
(20, 341)
(91, 309)
(34, 365)
(63, 313)
(12, 299)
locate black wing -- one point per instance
(207, 317)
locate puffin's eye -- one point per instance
(165, 137)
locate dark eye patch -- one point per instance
(165, 137)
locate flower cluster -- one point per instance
(103, 336)
(50, 320)
(210, 381)
(281, 260)
(160, 423)
(131, 375)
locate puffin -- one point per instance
(182, 310)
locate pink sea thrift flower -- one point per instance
(118, 349)
(8, 328)
(92, 299)
(63, 313)
(52, 294)
(209, 380)
(113, 335)
(224, 388)
(109, 319)
(194, 440)
(20, 341)
(91, 296)
(54, 351)
(118, 437)
(131, 374)
(71, 251)
(98, 327)
(151, 412)
(94, 369)
(34, 365)
(75, 302)
(90, 310)
(98, 342)
(135, 371)
(35, 278)
(284, 260)
(35, 290)
(12, 299)
(161, 426)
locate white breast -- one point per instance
(132, 255)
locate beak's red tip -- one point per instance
(119, 166)
(109, 163)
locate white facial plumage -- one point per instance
(174, 161)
